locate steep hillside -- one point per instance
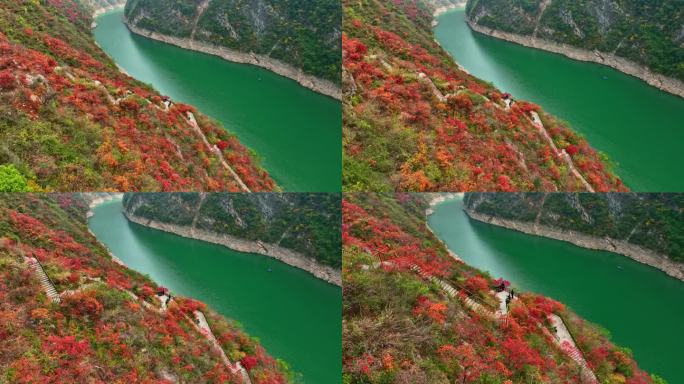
(298, 228)
(413, 313)
(299, 39)
(647, 227)
(70, 313)
(70, 121)
(641, 38)
(414, 120)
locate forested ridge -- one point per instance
(413, 120)
(303, 33)
(308, 223)
(70, 313)
(650, 33)
(650, 220)
(413, 313)
(70, 121)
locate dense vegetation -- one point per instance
(304, 33)
(646, 32)
(108, 326)
(303, 222)
(652, 220)
(414, 121)
(401, 328)
(70, 121)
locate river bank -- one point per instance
(321, 86)
(621, 247)
(436, 199)
(664, 83)
(99, 11)
(444, 9)
(100, 199)
(284, 255)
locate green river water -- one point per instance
(639, 127)
(640, 306)
(296, 132)
(296, 316)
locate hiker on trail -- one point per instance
(512, 295)
(508, 300)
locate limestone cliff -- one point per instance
(645, 227)
(299, 229)
(299, 39)
(642, 39)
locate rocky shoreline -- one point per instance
(622, 247)
(445, 9)
(99, 200)
(316, 84)
(287, 256)
(664, 83)
(439, 198)
(97, 12)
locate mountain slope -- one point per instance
(298, 228)
(413, 120)
(641, 38)
(644, 226)
(70, 121)
(414, 313)
(304, 34)
(71, 313)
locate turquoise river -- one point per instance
(296, 316)
(640, 306)
(296, 132)
(639, 127)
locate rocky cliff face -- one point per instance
(302, 230)
(642, 39)
(644, 227)
(294, 38)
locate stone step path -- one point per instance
(454, 293)
(193, 123)
(533, 118)
(190, 120)
(567, 344)
(38, 270)
(562, 336)
(536, 121)
(235, 368)
(503, 307)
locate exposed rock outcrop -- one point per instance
(636, 38)
(622, 247)
(667, 84)
(285, 255)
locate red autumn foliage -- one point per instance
(477, 284)
(150, 134)
(7, 80)
(473, 345)
(495, 148)
(249, 362)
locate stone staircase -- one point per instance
(564, 340)
(235, 368)
(454, 293)
(562, 336)
(45, 281)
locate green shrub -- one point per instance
(11, 180)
